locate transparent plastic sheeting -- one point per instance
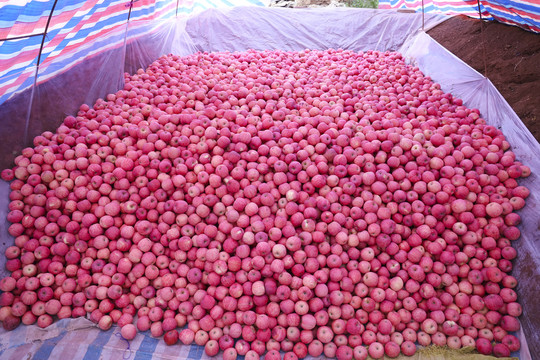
(239, 29)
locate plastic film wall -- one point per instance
(244, 28)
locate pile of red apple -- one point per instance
(308, 203)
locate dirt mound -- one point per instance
(507, 55)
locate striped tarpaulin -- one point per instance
(73, 25)
(523, 13)
(449, 7)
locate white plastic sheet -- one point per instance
(239, 29)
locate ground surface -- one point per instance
(512, 60)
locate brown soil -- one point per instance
(507, 55)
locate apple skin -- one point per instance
(352, 214)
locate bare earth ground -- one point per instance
(512, 60)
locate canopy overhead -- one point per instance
(56, 35)
(523, 13)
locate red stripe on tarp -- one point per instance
(23, 57)
(530, 21)
(19, 29)
(92, 21)
(58, 22)
(465, 7)
(18, 82)
(28, 28)
(512, 3)
(24, 76)
(418, 4)
(72, 47)
(65, 16)
(513, 11)
(30, 55)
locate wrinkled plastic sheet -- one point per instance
(239, 29)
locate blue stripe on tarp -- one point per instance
(513, 17)
(27, 83)
(146, 348)
(68, 60)
(509, 14)
(518, 5)
(119, 19)
(81, 53)
(96, 347)
(33, 12)
(11, 47)
(66, 42)
(506, 15)
(48, 346)
(195, 352)
(430, 7)
(227, 3)
(116, 20)
(15, 75)
(448, 8)
(34, 9)
(15, 72)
